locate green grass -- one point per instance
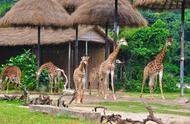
(137, 107)
(170, 96)
(11, 113)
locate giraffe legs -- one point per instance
(160, 82)
(55, 85)
(8, 82)
(89, 87)
(112, 84)
(59, 84)
(145, 76)
(105, 84)
(50, 85)
(151, 85)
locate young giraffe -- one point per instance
(54, 73)
(107, 67)
(11, 74)
(154, 68)
(79, 78)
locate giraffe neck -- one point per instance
(161, 55)
(42, 67)
(81, 66)
(113, 55)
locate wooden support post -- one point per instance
(182, 49)
(69, 66)
(39, 50)
(38, 54)
(76, 48)
(72, 64)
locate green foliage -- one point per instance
(5, 5)
(144, 44)
(27, 63)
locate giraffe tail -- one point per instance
(66, 79)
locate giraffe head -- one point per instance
(122, 41)
(37, 75)
(84, 59)
(169, 42)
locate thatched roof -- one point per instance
(161, 4)
(74, 3)
(28, 36)
(36, 12)
(101, 12)
(71, 5)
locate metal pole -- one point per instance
(69, 66)
(39, 50)
(86, 76)
(115, 23)
(76, 48)
(182, 49)
(115, 32)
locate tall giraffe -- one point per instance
(154, 68)
(11, 74)
(54, 73)
(107, 67)
(79, 78)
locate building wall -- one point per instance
(7, 52)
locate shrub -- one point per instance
(27, 63)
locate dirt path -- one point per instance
(167, 118)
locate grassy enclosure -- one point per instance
(13, 113)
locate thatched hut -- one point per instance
(36, 13)
(46, 13)
(102, 12)
(55, 45)
(161, 5)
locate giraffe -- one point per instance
(107, 67)
(11, 74)
(54, 73)
(155, 68)
(79, 78)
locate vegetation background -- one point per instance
(144, 44)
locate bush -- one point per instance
(27, 63)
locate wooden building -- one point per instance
(56, 46)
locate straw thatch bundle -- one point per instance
(28, 36)
(36, 13)
(71, 5)
(101, 12)
(161, 4)
(74, 3)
